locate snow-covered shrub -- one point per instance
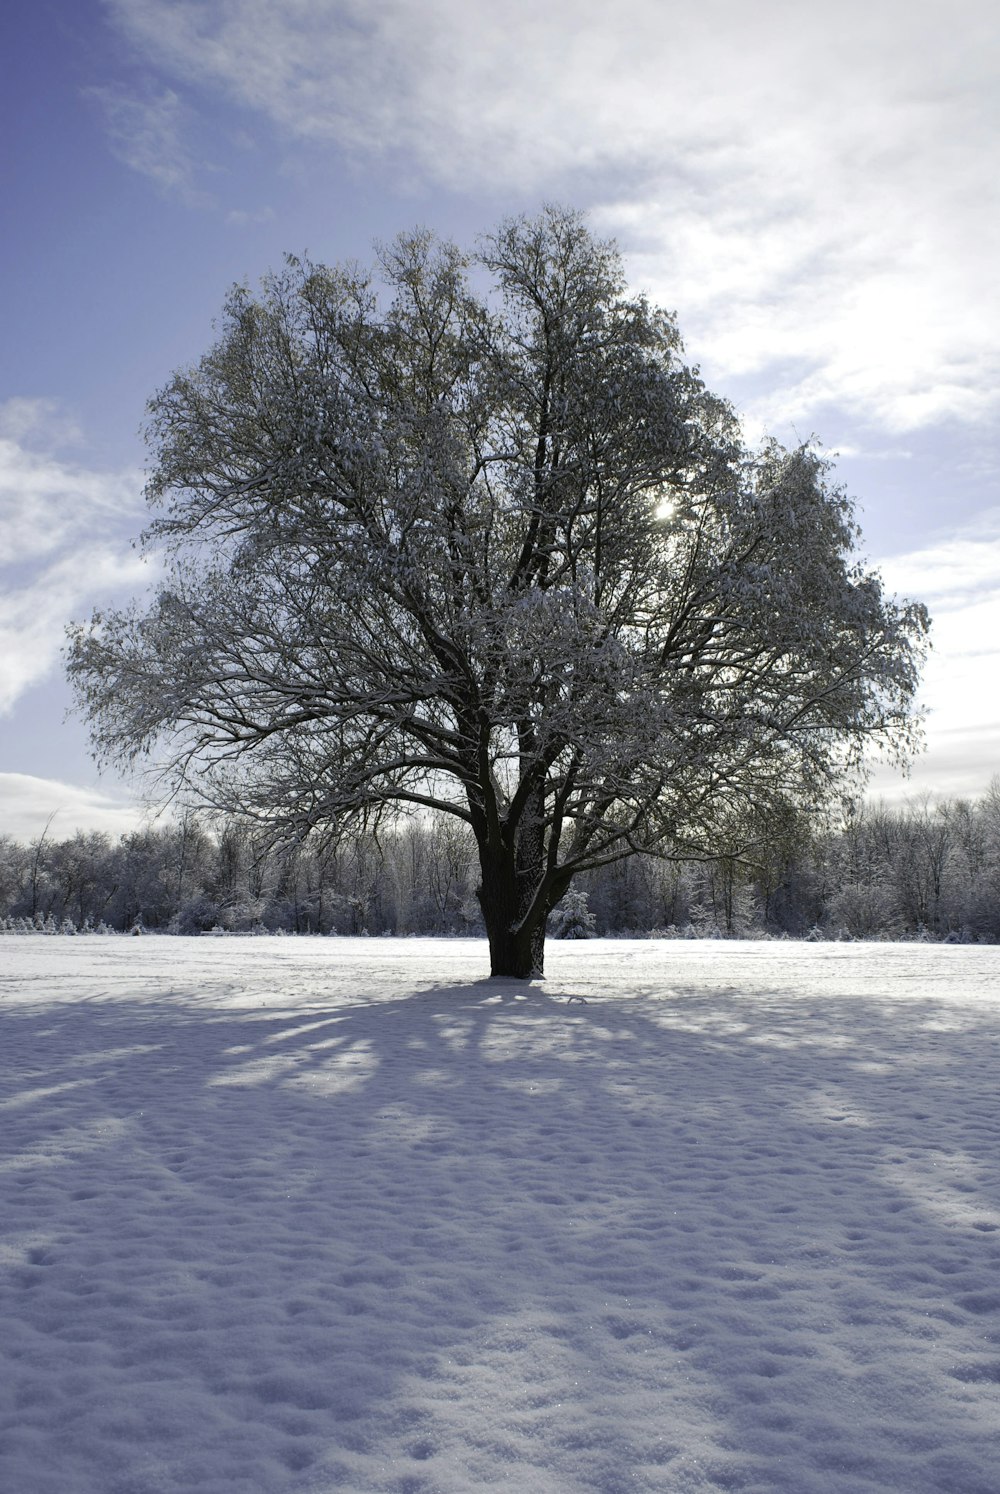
(196, 916)
(572, 918)
(864, 909)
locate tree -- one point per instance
(496, 552)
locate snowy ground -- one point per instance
(306, 1215)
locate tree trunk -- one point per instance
(517, 944)
(517, 955)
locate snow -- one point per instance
(313, 1214)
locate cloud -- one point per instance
(47, 504)
(245, 218)
(846, 452)
(811, 187)
(31, 421)
(147, 132)
(959, 579)
(67, 545)
(958, 571)
(27, 804)
(33, 616)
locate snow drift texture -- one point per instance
(312, 1215)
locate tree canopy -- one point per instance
(467, 533)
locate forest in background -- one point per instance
(924, 870)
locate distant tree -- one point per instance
(499, 553)
(37, 880)
(925, 846)
(83, 871)
(572, 919)
(13, 872)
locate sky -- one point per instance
(812, 188)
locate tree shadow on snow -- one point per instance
(483, 1230)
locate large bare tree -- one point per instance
(468, 534)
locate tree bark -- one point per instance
(517, 941)
(517, 954)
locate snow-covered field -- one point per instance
(314, 1214)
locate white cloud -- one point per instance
(245, 218)
(959, 570)
(28, 422)
(846, 451)
(33, 616)
(47, 504)
(959, 579)
(67, 545)
(147, 132)
(28, 803)
(812, 187)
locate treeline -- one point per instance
(926, 870)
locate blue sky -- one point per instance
(812, 188)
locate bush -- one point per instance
(572, 918)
